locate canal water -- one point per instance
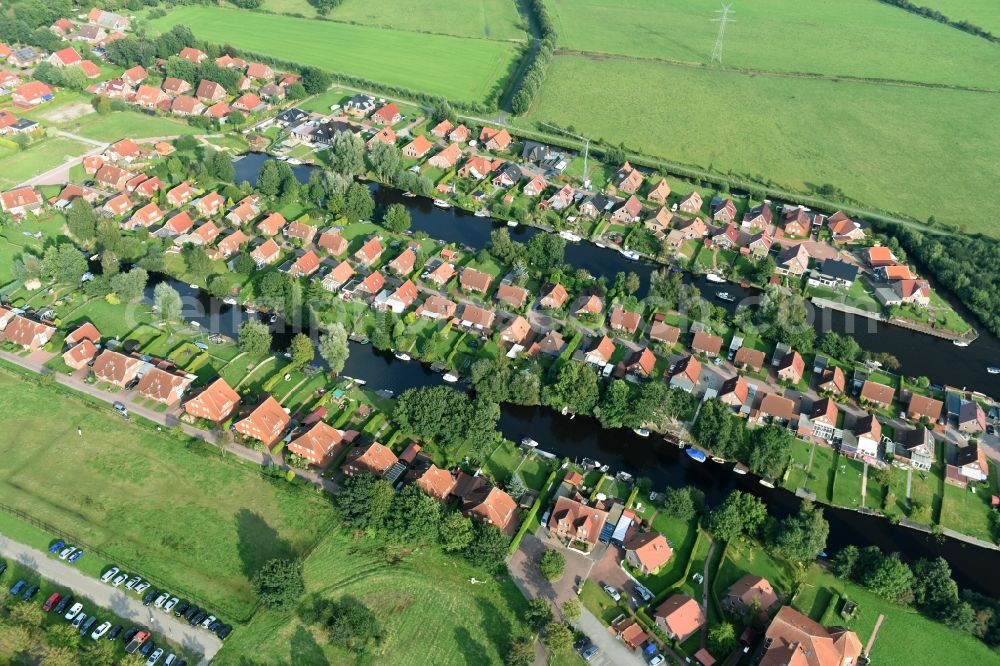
(621, 450)
(918, 354)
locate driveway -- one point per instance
(127, 606)
(612, 651)
(524, 568)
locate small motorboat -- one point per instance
(993, 370)
(630, 254)
(642, 432)
(441, 203)
(229, 300)
(695, 455)
(482, 212)
(570, 236)
(715, 277)
(600, 244)
(194, 286)
(740, 468)
(717, 459)
(450, 378)
(409, 195)
(195, 323)
(529, 443)
(960, 343)
(294, 161)
(766, 483)
(402, 356)
(603, 468)
(511, 223)
(725, 296)
(250, 309)
(273, 318)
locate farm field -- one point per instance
(984, 13)
(490, 19)
(792, 132)
(16, 167)
(421, 598)
(858, 38)
(416, 61)
(192, 522)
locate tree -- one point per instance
(414, 516)
(447, 416)
(254, 338)
(558, 637)
(845, 561)
(245, 265)
(575, 387)
(168, 302)
(358, 203)
(81, 219)
(333, 347)
(771, 451)
(301, 350)
(802, 537)
(315, 80)
(220, 166)
(571, 610)
(538, 613)
(350, 624)
(722, 638)
(632, 283)
(455, 532)
(64, 264)
(683, 503)
(269, 179)
(197, 262)
(933, 588)
(888, 576)
(520, 652)
(279, 583)
(365, 500)
(109, 264)
(130, 286)
(515, 486)
(740, 513)
(504, 248)
(384, 159)
(347, 153)
(488, 548)
(441, 110)
(552, 564)
(218, 286)
(842, 347)
(396, 218)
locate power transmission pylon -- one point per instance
(722, 21)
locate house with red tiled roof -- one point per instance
(436, 482)
(497, 140)
(372, 459)
(180, 195)
(664, 333)
(163, 387)
(178, 224)
(260, 71)
(441, 274)
(844, 229)
(266, 253)
(685, 374)
(61, 27)
(475, 281)
(601, 351)
(832, 380)
(214, 403)
(306, 264)
(149, 187)
(589, 305)
(135, 75)
(797, 222)
(750, 592)
(28, 334)
(555, 298)
(387, 115)
(210, 204)
(821, 422)
(478, 167)
(112, 177)
(622, 320)
(572, 521)
(318, 444)
(878, 394)
(792, 367)
(206, 233)
(734, 392)
(460, 134)
(516, 332)
(401, 299)
(512, 295)
(879, 256)
(300, 231)
(437, 307)
(21, 200)
(748, 357)
(118, 205)
(85, 331)
(792, 639)
(442, 129)
(333, 242)
(641, 363)
(403, 264)
(793, 261)
(629, 632)
(210, 92)
(249, 103)
(149, 97)
(447, 158)
(628, 179)
(417, 148)
(192, 55)
(724, 211)
(115, 368)
(776, 407)
(384, 135)
(492, 506)
(338, 276)
(64, 57)
(372, 284)
(692, 203)
(475, 317)
(922, 407)
(31, 94)
(230, 245)
(272, 224)
(679, 617)
(647, 551)
(266, 423)
(659, 192)
(80, 354)
(628, 212)
(534, 187)
(369, 253)
(146, 216)
(706, 343)
(971, 418)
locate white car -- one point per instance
(613, 593)
(141, 587)
(121, 578)
(162, 599)
(73, 611)
(66, 552)
(169, 606)
(155, 657)
(656, 661)
(171, 658)
(109, 574)
(78, 620)
(100, 631)
(132, 582)
(207, 622)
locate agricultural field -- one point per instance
(18, 166)
(984, 13)
(189, 521)
(489, 19)
(429, 611)
(857, 38)
(417, 61)
(793, 132)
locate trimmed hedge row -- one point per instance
(534, 74)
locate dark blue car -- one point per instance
(57, 546)
(75, 557)
(18, 587)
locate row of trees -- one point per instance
(447, 417)
(534, 75)
(799, 537)
(767, 450)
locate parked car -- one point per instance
(162, 599)
(130, 634)
(109, 574)
(29, 593)
(115, 632)
(66, 552)
(656, 660)
(148, 599)
(169, 606)
(132, 582)
(215, 625)
(63, 604)
(169, 661)
(101, 630)
(141, 587)
(613, 593)
(155, 657)
(57, 546)
(197, 619)
(79, 619)
(119, 579)
(51, 602)
(181, 608)
(73, 611)
(146, 648)
(18, 587)
(120, 408)
(88, 625)
(75, 557)
(191, 612)
(224, 631)
(207, 622)
(589, 652)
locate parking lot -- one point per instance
(125, 605)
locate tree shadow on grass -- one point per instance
(472, 650)
(497, 628)
(305, 650)
(259, 542)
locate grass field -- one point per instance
(120, 124)
(859, 38)
(794, 132)
(461, 69)
(16, 167)
(429, 611)
(984, 13)
(185, 520)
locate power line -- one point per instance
(722, 21)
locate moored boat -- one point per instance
(715, 277)
(740, 468)
(402, 356)
(642, 432)
(725, 296)
(441, 203)
(695, 455)
(482, 212)
(529, 443)
(717, 459)
(630, 254)
(570, 236)
(511, 223)
(766, 483)
(993, 370)
(960, 343)
(450, 378)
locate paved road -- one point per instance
(124, 604)
(612, 651)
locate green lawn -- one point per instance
(743, 558)
(937, 144)
(415, 61)
(847, 483)
(905, 636)
(968, 512)
(820, 479)
(429, 611)
(121, 124)
(186, 520)
(984, 13)
(16, 167)
(857, 38)
(597, 601)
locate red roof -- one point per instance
(68, 56)
(33, 91)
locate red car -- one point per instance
(51, 602)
